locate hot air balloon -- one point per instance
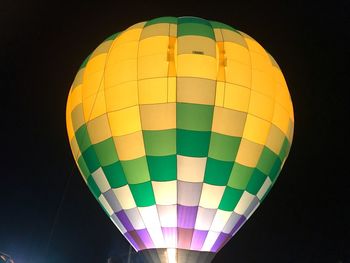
(180, 127)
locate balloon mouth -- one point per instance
(176, 255)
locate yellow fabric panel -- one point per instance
(235, 37)
(125, 121)
(153, 46)
(228, 122)
(219, 93)
(95, 64)
(281, 118)
(275, 139)
(103, 48)
(92, 84)
(70, 130)
(191, 43)
(75, 148)
(77, 117)
(158, 117)
(249, 153)
(75, 97)
(98, 129)
(130, 146)
(161, 29)
(139, 25)
(222, 61)
(171, 57)
(173, 30)
(131, 34)
(218, 35)
(94, 105)
(196, 90)
(193, 65)
(237, 52)
(153, 90)
(238, 73)
(290, 132)
(78, 80)
(121, 96)
(122, 51)
(260, 61)
(120, 72)
(256, 129)
(172, 89)
(263, 82)
(252, 44)
(261, 106)
(154, 66)
(236, 97)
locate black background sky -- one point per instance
(305, 218)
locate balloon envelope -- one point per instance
(179, 126)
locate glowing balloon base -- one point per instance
(176, 255)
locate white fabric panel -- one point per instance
(135, 218)
(167, 215)
(150, 218)
(101, 180)
(188, 193)
(244, 203)
(165, 193)
(210, 240)
(118, 224)
(112, 200)
(211, 196)
(190, 169)
(125, 197)
(204, 218)
(105, 204)
(264, 188)
(220, 220)
(231, 222)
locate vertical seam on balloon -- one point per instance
(150, 179)
(109, 125)
(199, 200)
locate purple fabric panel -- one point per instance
(186, 216)
(145, 237)
(184, 238)
(125, 220)
(137, 239)
(220, 241)
(132, 241)
(238, 225)
(198, 239)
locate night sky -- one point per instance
(305, 218)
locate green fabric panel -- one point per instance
(195, 117)
(83, 167)
(115, 175)
(83, 65)
(255, 182)
(193, 19)
(284, 150)
(93, 187)
(143, 194)
(240, 176)
(91, 159)
(159, 143)
(275, 170)
(136, 171)
(217, 172)
(112, 37)
(162, 168)
(192, 143)
(82, 137)
(266, 160)
(164, 19)
(223, 147)
(198, 29)
(106, 152)
(230, 199)
(220, 25)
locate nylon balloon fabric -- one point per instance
(180, 127)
